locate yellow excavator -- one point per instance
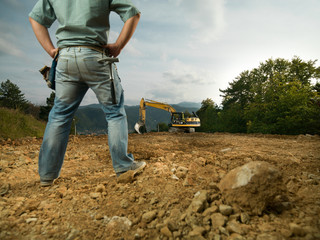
(179, 123)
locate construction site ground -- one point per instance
(88, 202)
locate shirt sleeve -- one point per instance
(43, 13)
(124, 8)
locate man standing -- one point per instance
(83, 45)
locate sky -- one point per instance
(182, 50)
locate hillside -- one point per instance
(14, 124)
(87, 202)
(90, 119)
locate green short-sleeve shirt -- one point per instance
(81, 22)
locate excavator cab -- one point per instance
(178, 118)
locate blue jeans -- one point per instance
(78, 70)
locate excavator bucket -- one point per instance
(140, 127)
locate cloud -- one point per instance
(182, 82)
(181, 73)
(205, 18)
(169, 95)
(132, 48)
(201, 21)
(9, 40)
(7, 47)
(14, 3)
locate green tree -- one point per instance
(316, 87)
(45, 110)
(209, 116)
(11, 96)
(163, 127)
(276, 97)
(239, 91)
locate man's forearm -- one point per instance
(43, 37)
(127, 31)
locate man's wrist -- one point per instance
(53, 52)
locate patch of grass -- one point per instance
(14, 124)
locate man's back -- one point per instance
(84, 22)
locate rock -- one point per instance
(310, 230)
(245, 218)
(161, 213)
(176, 235)
(95, 195)
(213, 185)
(149, 216)
(189, 180)
(124, 203)
(252, 186)
(210, 210)
(266, 227)
(218, 220)
(225, 210)
(293, 185)
(4, 189)
(118, 224)
(286, 233)
(214, 236)
(154, 201)
(31, 204)
(166, 232)
(139, 234)
(29, 220)
(100, 188)
(202, 161)
(174, 177)
(62, 192)
(127, 177)
(236, 236)
(269, 236)
(226, 150)
(199, 202)
(99, 216)
(182, 172)
(223, 231)
(197, 231)
(73, 234)
(235, 227)
(172, 225)
(297, 230)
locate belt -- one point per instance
(96, 48)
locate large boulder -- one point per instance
(253, 186)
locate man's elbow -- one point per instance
(137, 16)
(31, 20)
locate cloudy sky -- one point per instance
(183, 50)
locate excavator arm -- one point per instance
(140, 125)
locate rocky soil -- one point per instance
(177, 196)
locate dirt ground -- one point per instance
(87, 201)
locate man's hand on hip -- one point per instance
(113, 49)
(53, 52)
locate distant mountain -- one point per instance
(190, 105)
(90, 119)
